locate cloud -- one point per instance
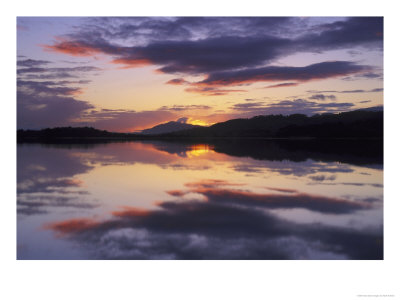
(32, 63)
(49, 88)
(177, 81)
(212, 91)
(285, 84)
(287, 107)
(227, 51)
(142, 30)
(205, 45)
(81, 69)
(72, 225)
(368, 75)
(35, 111)
(376, 90)
(185, 107)
(322, 177)
(184, 56)
(355, 31)
(49, 103)
(182, 120)
(322, 97)
(323, 70)
(75, 48)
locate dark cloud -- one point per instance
(368, 75)
(40, 88)
(287, 107)
(35, 111)
(247, 106)
(322, 70)
(376, 90)
(212, 91)
(184, 107)
(205, 45)
(56, 75)
(49, 103)
(214, 54)
(177, 81)
(32, 63)
(322, 97)
(356, 31)
(228, 51)
(145, 30)
(182, 120)
(189, 57)
(57, 70)
(322, 177)
(285, 84)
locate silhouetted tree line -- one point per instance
(67, 133)
(354, 124)
(344, 125)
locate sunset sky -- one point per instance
(127, 74)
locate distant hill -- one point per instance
(171, 126)
(358, 123)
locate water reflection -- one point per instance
(239, 199)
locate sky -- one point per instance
(130, 73)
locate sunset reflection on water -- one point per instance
(175, 200)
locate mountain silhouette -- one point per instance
(171, 126)
(354, 124)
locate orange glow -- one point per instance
(72, 225)
(74, 182)
(131, 63)
(71, 48)
(176, 193)
(129, 211)
(75, 92)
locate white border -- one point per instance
(197, 279)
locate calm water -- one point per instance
(238, 199)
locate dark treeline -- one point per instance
(69, 134)
(354, 124)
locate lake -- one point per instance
(216, 199)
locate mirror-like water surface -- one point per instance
(238, 199)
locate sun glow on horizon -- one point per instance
(198, 122)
